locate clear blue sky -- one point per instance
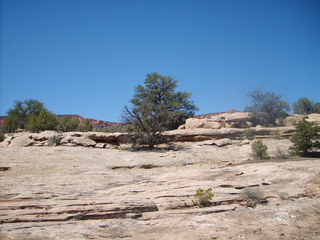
(86, 56)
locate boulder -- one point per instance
(86, 142)
(45, 135)
(23, 141)
(223, 142)
(6, 142)
(293, 119)
(192, 123)
(314, 117)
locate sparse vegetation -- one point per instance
(281, 154)
(203, 197)
(249, 133)
(86, 127)
(54, 140)
(276, 134)
(267, 107)
(259, 150)
(306, 139)
(252, 194)
(2, 137)
(306, 106)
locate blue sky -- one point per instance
(85, 57)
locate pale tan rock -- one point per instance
(293, 119)
(45, 135)
(86, 142)
(192, 123)
(90, 193)
(22, 141)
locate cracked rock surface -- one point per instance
(92, 193)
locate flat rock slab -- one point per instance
(90, 193)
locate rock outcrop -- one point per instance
(224, 120)
(89, 193)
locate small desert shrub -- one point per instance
(249, 133)
(203, 197)
(259, 150)
(281, 154)
(252, 194)
(276, 134)
(2, 137)
(53, 140)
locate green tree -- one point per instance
(45, 120)
(157, 107)
(259, 150)
(306, 138)
(66, 124)
(86, 127)
(305, 106)
(267, 107)
(18, 116)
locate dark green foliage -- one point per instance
(45, 120)
(66, 124)
(305, 106)
(267, 107)
(306, 138)
(86, 127)
(203, 197)
(249, 133)
(156, 107)
(259, 150)
(2, 137)
(17, 117)
(29, 115)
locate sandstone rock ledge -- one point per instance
(90, 193)
(101, 140)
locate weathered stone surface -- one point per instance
(223, 142)
(192, 123)
(22, 141)
(86, 142)
(293, 119)
(45, 135)
(90, 193)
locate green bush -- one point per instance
(281, 154)
(276, 134)
(2, 137)
(53, 140)
(306, 139)
(259, 150)
(249, 133)
(203, 197)
(252, 194)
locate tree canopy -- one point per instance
(306, 106)
(267, 107)
(306, 138)
(157, 107)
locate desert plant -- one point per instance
(267, 107)
(252, 194)
(249, 133)
(53, 140)
(276, 134)
(259, 150)
(306, 139)
(203, 197)
(157, 107)
(2, 137)
(281, 154)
